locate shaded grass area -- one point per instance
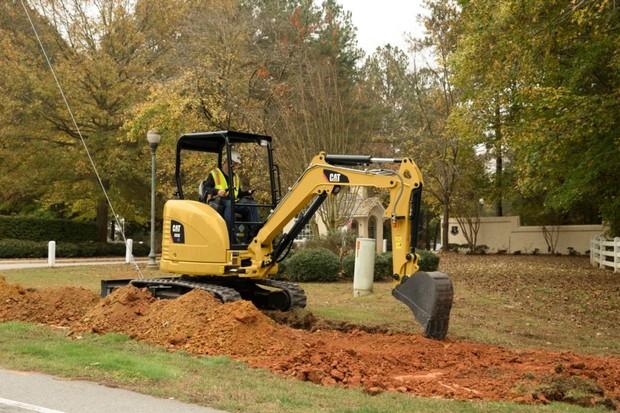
(214, 381)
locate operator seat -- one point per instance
(203, 197)
(202, 191)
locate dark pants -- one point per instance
(246, 207)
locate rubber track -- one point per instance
(222, 293)
(295, 292)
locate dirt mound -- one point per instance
(117, 312)
(328, 355)
(195, 322)
(54, 306)
(408, 363)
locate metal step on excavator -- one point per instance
(204, 250)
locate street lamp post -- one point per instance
(153, 138)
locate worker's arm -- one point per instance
(210, 189)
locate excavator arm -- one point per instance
(428, 295)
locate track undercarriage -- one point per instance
(266, 294)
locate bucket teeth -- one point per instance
(429, 295)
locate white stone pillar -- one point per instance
(51, 253)
(129, 251)
(363, 275)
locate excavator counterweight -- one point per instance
(200, 246)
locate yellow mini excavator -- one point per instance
(203, 250)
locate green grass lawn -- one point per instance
(213, 381)
(88, 276)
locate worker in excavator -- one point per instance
(215, 192)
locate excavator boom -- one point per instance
(428, 295)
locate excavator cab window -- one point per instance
(256, 172)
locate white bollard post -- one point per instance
(363, 275)
(129, 251)
(51, 253)
(384, 249)
(616, 252)
(592, 251)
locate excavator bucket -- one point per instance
(429, 296)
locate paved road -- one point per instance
(22, 392)
(21, 264)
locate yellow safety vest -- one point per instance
(221, 183)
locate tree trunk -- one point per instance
(427, 231)
(446, 227)
(499, 190)
(102, 220)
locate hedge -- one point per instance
(383, 264)
(348, 265)
(429, 261)
(15, 248)
(312, 264)
(39, 229)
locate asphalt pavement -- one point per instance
(26, 392)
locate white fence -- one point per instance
(605, 252)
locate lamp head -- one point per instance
(153, 137)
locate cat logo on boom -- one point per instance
(333, 176)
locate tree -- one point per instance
(104, 59)
(551, 67)
(441, 150)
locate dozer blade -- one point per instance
(429, 296)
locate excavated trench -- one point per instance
(303, 347)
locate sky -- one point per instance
(384, 21)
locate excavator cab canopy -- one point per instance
(221, 143)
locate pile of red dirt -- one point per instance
(461, 370)
(118, 311)
(54, 306)
(375, 361)
(195, 322)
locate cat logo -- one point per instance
(177, 232)
(333, 176)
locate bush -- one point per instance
(481, 249)
(428, 260)
(313, 264)
(453, 247)
(39, 229)
(348, 265)
(15, 248)
(339, 242)
(383, 266)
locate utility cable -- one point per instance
(79, 132)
